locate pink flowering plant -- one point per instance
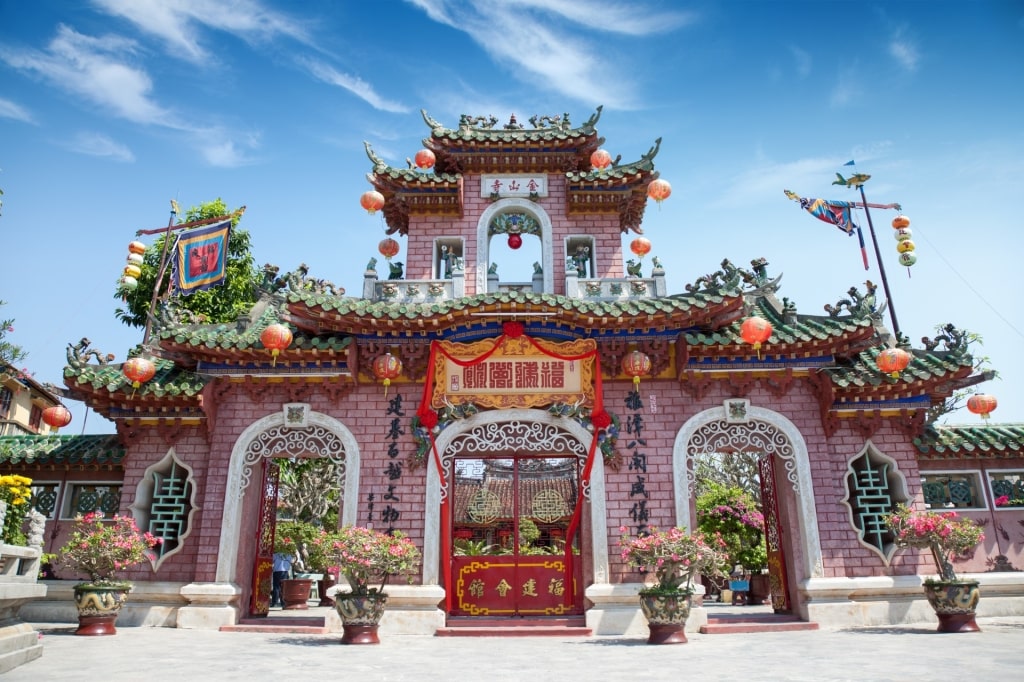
(365, 556)
(101, 549)
(675, 557)
(946, 534)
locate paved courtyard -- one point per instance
(864, 654)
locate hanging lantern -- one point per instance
(635, 364)
(903, 234)
(514, 241)
(372, 201)
(641, 246)
(425, 158)
(129, 283)
(755, 331)
(388, 247)
(135, 259)
(276, 338)
(907, 259)
(387, 367)
(57, 416)
(600, 159)
(905, 245)
(900, 222)
(981, 403)
(659, 190)
(137, 247)
(892, 361)
(132, 271)
(138, 371)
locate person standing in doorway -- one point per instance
(282, 571)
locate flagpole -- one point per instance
(881, 266)
(163, 268)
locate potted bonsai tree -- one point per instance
(102, 549)
(947, 536)
(674, 557)
(292, 585)
(367, 559)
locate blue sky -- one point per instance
(111, 108)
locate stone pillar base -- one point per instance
(210, 605)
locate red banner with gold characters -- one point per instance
(517, 373)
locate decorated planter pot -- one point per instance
(98, 607)
(666, 616)
(360, 616)
(955, 604)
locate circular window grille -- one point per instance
(549, 506)
(484, 507)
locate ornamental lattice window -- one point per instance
(952, 490)
(86, 498)
(873, 489)
(164, 504)
(44, 498)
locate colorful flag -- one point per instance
(838, 213)
(200, 258)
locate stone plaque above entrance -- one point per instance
(506, 186)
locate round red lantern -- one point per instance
(600, 159)
(514, 241)
(57, 416)
(892, 361)
(755, 331)
(900, 221)
(137, 247)
(635, 364)
(387, 367)
(138, 371)
(275, 338)
(372, 201)
(982, 403)
(659, 190)
(425, 158)
(388, 247)
(641, 246)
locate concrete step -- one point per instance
(570, 626)
(281, 625)
(741, 623)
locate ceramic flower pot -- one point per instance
(360, 616)
(666, 616)
(955, 604)
(98, 607)
(295, 593)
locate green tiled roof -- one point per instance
(472, 133)
(169, 380)
(799, 328)
(924, 365)
(93, 449)
(960, 441)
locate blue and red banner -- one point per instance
(200, 258)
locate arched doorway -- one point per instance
(785, 468)
(531, 463)
(247, 524)
(486, 230)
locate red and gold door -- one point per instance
(263, 564)
(773, 534)
(509, 525)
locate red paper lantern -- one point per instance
(600, 159)
(981, 403)
(387, 367)
(892, 361)
(755, 331)
(635, 364)
(388, 247)
(641, 246)
(57, 416)
(138, 371)
(514, 241)
(900, 221)
(425, 158)
(372, 201)
(659, 190)
(275, 338)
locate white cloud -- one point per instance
(95, 69)
(177, 22)
(904, 51)
(225, 149)
(541, 38)
(12, 110)
(802, 59)
(846, 90)
(97, 144)
(353, 84)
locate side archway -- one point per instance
(324, 436)
(483, 241)
(764, 431)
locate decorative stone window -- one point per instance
(92, 497)
(873, 488)
(448, 255)
(952, 489)
(44, 498)
(1008, 485)
(579, 256)
(164, 504)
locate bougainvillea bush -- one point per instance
(734, 514)
(946, 534)
(101, 549)
(675, 557)
(367, 556)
